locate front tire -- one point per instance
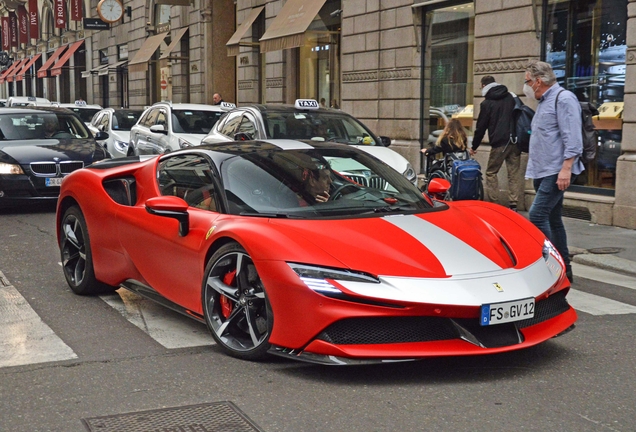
(77, 258)
(235, 304)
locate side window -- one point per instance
(162, 118)
(232, 123)
(247, 126)
(151, 118)
(104, 122)
(190, 177)
(97, 119)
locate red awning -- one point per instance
(42, 72)
(16, 69)
(57, 69)
(7, 71)
(20, 75)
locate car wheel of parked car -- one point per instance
(235, 305)
(77, 258)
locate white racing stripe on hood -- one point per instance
(287, 144)
(456, 256)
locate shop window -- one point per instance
(319, 57)
(585, 42)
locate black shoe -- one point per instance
(513, 208)
(569, 275)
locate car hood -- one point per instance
(458, 241)
(386, 155)
(25, 152)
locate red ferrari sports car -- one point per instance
(311, 250)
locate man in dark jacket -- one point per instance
(495, 116)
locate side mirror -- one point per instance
(159, 128)
(438, 187)
(386, 141)
(171, 207)
(101, 136)
(242, 136)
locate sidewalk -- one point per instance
(607, 247)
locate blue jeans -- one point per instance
(545, 212)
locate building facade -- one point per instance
(401, 66)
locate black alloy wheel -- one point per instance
(235, 304)
(77, 258)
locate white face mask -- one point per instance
(529, 92)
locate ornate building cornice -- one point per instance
(511, 65)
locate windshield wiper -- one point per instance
(272, 215)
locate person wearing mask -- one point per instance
(495, 116)
(556, 145)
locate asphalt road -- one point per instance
(582, 381)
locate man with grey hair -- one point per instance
(556, 145)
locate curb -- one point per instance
(607, 262)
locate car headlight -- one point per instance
(409, 173)
(183, 143)
(6, 168)
(549, 249)
(317, 278)
(121, 146)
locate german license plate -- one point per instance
(499, 313)
(54, 181)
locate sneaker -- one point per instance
(513, 208)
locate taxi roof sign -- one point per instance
(227, 106)
(306, 104)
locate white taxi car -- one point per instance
(165, 127)
(306, 120)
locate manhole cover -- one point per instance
(605, 250)
(211, 417)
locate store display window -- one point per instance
(585, 42)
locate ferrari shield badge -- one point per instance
(210, 231)
(498, 287)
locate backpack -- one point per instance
(466, 183)
(588, 133)
(520, 127)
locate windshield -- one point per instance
(86, 114)
(194, 121)
(333, 126)
(318, 182)
(124, 120)
(27, 126)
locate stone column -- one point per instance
(219, 20)
(625, 198)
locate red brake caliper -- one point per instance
(226, 304)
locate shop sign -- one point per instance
(76, 10)
(60, 14)
(23, 24)
(5, 34)
(13, 21)
(33, 19)
(95, 24)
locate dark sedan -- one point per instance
(38, 148)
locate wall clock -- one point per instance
(110, 10)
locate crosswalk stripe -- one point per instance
(597, 305)
(24, 337)
(170, 329)
(604, 276)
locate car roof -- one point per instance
(71, 105)
(35, 110)
(190, 106)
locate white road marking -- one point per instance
(604, 276)
(597, 305)
(24, 337)
(170, 329)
